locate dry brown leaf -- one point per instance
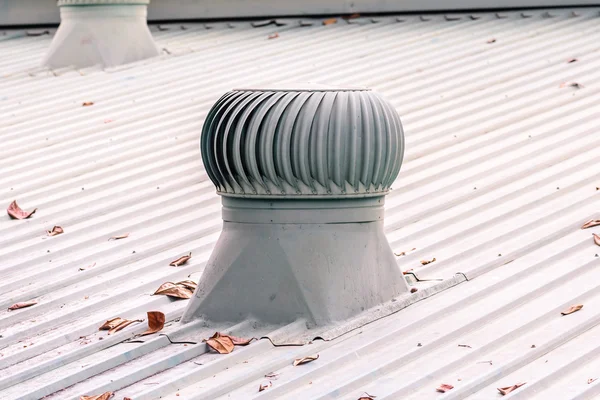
(273, 36)
(24, 304)
(330, 21)
(111, 323)
(123, 236)
(103, 396)
(124, 324)
(444, 387)
(596, 239)
(15, 212)
(572, 309)
(56, 230)
(305, 360)
(590, 223)
(188, 284)
(413, 290)
(264, 386)
(367, 396)
(506, 390)
(591, 380)
(156, 321)
(87, 104)
(220, 344)
(174, 290)
(351, 16)
(425, 262)
(181, 260)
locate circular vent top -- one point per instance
(306, 141)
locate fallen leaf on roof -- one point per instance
(425, 262)
(596, 239)
(89, 266)
(367, 396)
(103, 396)
(23, 304)
(330, 21)
(506, 390)
(220, 344)
(572, 309)
(15, 212)
(271, 375)
(403, 253)
(273, 36)
(87, 103)
(590, 223)
(305, 360)
(351, 16)
(413, 290)
(491, 41)
(464, 345)
(117, 324)
(181, 260)
(156, 321)
(571, 84)
(56, 230)
(264, 386)
(591, 380)
(572, 60)
(178, 290)
(444, 387)
(117, 237)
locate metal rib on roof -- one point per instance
(500, 114)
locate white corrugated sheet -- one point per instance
(501, 169)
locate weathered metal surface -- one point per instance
(499, 174)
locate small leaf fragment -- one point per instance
(464, 345)
(116, 324)
(123, 325)
(590, 223)
(413, 290)
(117, 237)
(425, 262)
(156, 321)
(571, 84)
(264, 386)
(56, 230)
(305, 360)
(596, 239)
(272, 375)
(491, 41)
(103, 396)
(23, 304)
(506, 390)
(181, 260)
(87, 103)
(273, 36)
(15, 212)
(572, 309)
(444, 387)
(330, 21)
(591, 380)
(351, 16)
(572, 60)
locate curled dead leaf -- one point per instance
(506, 390)
(591, 380)
(264, 386)
(15, 212)
(590, 223)
(24, 304)
(273, 36)
(117, 237)
(87, 103)
(56, 230)
(330, 21)
(305, 360)
(116, 324)
(425, 262)
(178, 290)
(413, 290)
(156, 321)
(572, 309)
(596, 239)
(220, 344)
(181, 260)
(103, 396)
(444, 387)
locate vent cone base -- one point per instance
(331, 267)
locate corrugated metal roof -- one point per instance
(500, 172)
